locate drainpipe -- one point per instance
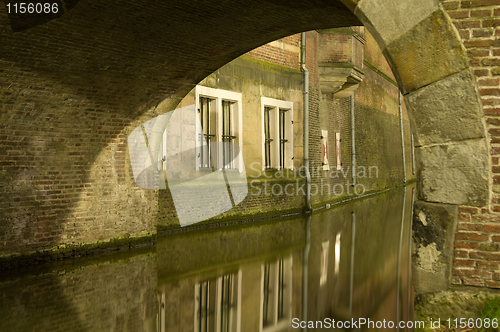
(351, 267)
(410, 238)
(412, 155)
(402, 136)
(398, 269)
(306, 119)
(305, 271)
(353, 143)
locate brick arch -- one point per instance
(73, 89)
(79, 84)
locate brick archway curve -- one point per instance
(76, 86)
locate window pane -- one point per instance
(267, 137)
(207, 120)
(227, 134)
(283, 137)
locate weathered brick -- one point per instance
(489, 92)
(485, 255)
(493, 23)
(464, 34)
(468, 209)
(487, 265)
(490, 62)
(473, 282)
(464, 262)
(493, 284)
(461, 253)
(489, 82)
(486, 3)
(451, 5)
(482, 72)
(470, 227)
(492, 228)
(492, 111)
(468, 24)
(466, 245)
(459, 14)
(481, 13)
(472, 273)
(470, 3)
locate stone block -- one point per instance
(434, 228)
(448, 110)
(427, 53)
(388, 20)
(430, 281)
(454, 173)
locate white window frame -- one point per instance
(218, 96)
(235, 312)
(285, 322)
(274, 121)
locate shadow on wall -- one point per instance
(173, 148)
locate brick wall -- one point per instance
(477, 241)
(284, 52)
(73, 89)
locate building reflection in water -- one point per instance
(350, 261)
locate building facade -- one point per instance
(250, 114)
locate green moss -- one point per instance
(375, 69)
(255, 216)
(274, 68)
(491, 310)
(77, 250)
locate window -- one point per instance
(267, 137)
(220, 118)
(276, 295)
(277, 132)
(227, 134)
(207, 120)
(217, 304)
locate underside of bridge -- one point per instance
(74, 88)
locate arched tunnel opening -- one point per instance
(86, 98)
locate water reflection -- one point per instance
(114, 293)
(347, 262)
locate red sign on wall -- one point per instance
(337, 151)
(325, 157)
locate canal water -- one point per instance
(348, 263)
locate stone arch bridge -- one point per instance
(72, 89)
